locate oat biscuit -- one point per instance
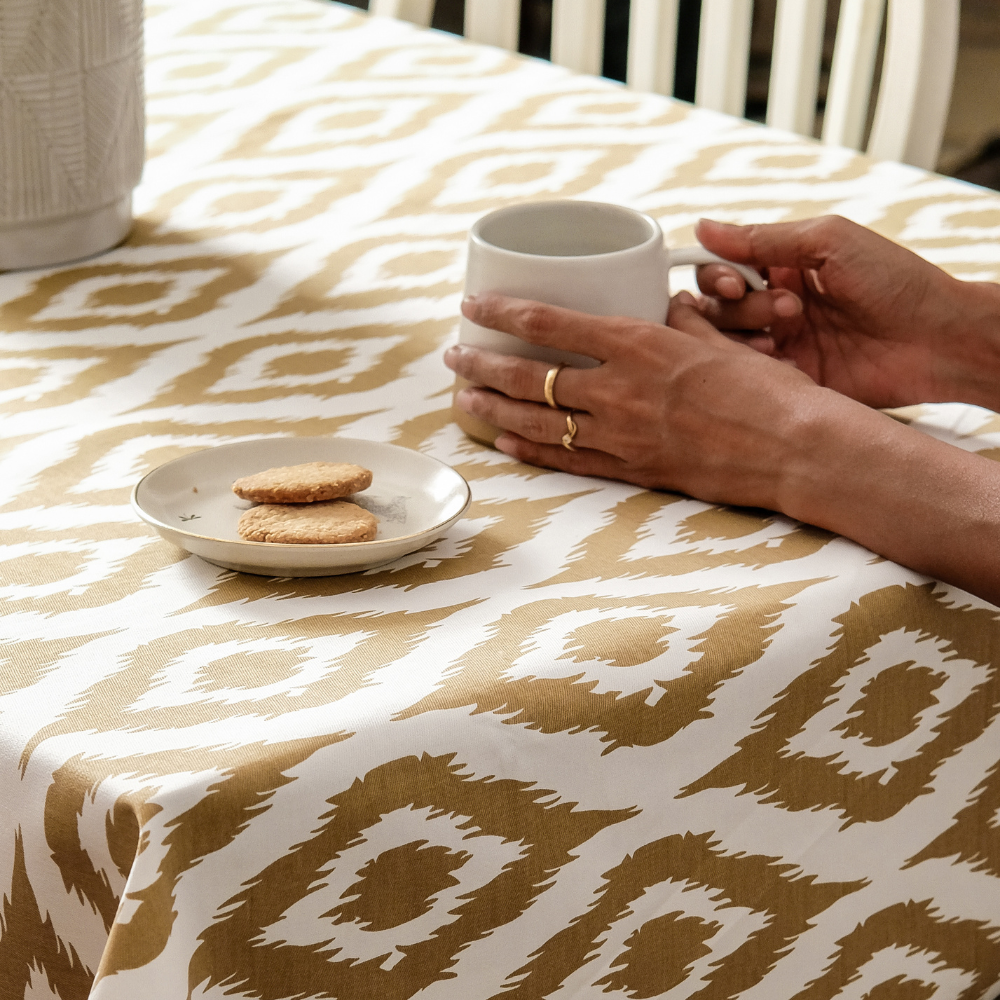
(304, 483)
(322, 523)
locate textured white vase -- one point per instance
(72, 126)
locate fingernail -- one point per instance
(707, 305)
(788, 306)
(469, 304)
(713, 222)
(463, 399)
(817, 282)
(685, 298)
(730, 287)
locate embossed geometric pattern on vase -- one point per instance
(71, 100)
(596, 741)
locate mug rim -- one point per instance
(475, 233)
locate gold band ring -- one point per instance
(550, 384)
(571, 429)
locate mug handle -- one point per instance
(699, 255)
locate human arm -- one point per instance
(682, 407)
(876, 322)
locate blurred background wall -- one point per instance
(971, 148)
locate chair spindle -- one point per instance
(493, 22)
(795, 65)
(912, 109)
(578, 35)
(724, 55)
(652, 45)
(852, 73)
(415, 11)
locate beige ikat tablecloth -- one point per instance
(596, 740)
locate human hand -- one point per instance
(677, 407)
(683, 407)
(877, 322)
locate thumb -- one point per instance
(804, 245)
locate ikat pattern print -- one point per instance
(596, 741)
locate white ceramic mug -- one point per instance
(597, 258)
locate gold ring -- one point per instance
(550, 384)
(571, 429)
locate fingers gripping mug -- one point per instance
(597, 258)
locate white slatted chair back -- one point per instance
(917, 71)
(917, 77)
(917, 74)
(577, 29)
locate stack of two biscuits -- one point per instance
(302, 504)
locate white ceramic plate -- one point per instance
(190, 502)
